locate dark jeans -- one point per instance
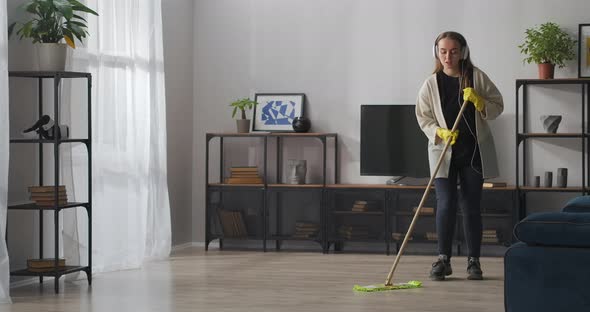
(471, 183)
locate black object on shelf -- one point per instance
(523, 134)
(48, 136)
(301, 124)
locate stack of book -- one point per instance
(232, 223)
(244, 175)
(44, 265)
(432, 236)
(494, 184)
(360, 206)
(489, 236)
(306, 229)
(400, 236)
(44, 196)
(354, 231)
(427, 211)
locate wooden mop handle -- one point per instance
(424, 196)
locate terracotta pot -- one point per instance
(546, 70)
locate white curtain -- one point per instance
(4, 267)
(130, 209)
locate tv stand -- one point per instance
(395, 181)
(407, 181)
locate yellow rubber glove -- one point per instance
(444, 134)
(470, 95)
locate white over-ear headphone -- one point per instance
(464, 51)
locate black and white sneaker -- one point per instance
(474, 269)
(441, 268)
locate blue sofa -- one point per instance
(549, 268)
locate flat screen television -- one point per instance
(392, 143)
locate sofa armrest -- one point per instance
(577, 204)
(565, 229)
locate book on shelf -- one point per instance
(365, 206)
(424, 210)
(431, 236)
(46, 189)
(50, 203)
(232, 223)
(253, 180)
(494, 184)
(306, 229)
(44, 196)
(400, 236)
(44, 265)
(244, 169)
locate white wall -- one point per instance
(350, 52)
(177, 19)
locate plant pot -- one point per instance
(546, 70)
(243, 125)
(51, 56)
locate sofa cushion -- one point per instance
(578, 204)
(565, 229)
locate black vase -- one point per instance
(301, 124)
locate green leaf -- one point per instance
(78, 24)
(10, 29)
(78, 6)
(32, 7)
(80, 17)
(65, 8)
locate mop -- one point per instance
(388, 285)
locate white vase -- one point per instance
(51, 56)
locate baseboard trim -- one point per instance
(178, 247)
(30, 281)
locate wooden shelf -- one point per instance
(366, 213)
(60, 271)
(295, 186)
(33, 206)
(271, 134)
(553, 81)
(376, 186)
(576, 189)
(552, 135)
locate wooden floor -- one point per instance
(194, 280)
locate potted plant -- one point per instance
(50, 22)
(243, 105)
(547, 45)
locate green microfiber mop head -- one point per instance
(382, 287)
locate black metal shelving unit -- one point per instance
(397, 201)
(57, 77)
(339, 215)
(267, 190)
(522, 135)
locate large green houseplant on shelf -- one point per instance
(50, 22)
(547, 45)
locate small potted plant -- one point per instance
(243, 105)
(547, 45)
(50, 22)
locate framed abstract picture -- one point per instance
(276, 111)
(584, 51)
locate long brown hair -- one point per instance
(466, 65)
